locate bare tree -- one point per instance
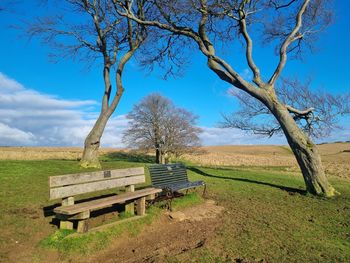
(156, 124)
(96, 32)
(289, 26)
(318, 120)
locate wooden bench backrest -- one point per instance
(74, 184)
(163, 175)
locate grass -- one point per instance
(91, 242)
(268, 217)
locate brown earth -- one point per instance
(166, 237)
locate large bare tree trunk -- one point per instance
(305, 152)
(92, 143)
(158, 156)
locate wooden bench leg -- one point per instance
(83, 226)
(130, 208)
(141, 206)
(66, 225)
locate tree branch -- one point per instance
(249, 48)
(299, 112)
(290, 38)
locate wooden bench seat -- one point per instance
(68, 186)
(104, 202)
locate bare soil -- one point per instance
(166, 237)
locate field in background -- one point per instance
(45, 153)
(335, 156)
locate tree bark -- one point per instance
(305, 152)
(158, 156)
(92, 143)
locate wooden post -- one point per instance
(151, 197)
(83, 226)
(68, 201)
(130, 207)
(65, 224)
(141, 206)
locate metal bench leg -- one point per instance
(169, 204)
(204, 191)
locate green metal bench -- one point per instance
(172, 178)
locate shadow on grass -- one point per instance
(290, 190)
(129, 157)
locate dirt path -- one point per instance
(172, 234)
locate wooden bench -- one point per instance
(70, 185)
(172, 178)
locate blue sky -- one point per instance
(75, 90)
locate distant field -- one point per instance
(335, 156)
(45, 153)
(247, 155)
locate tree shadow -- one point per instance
(290, 190)
(129, 157)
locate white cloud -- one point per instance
(14, 136)
(8, 83)
(30, 118)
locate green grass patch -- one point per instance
(186, 201)
(267, 214)
(269, 217)
(88, 243)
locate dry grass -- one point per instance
(45, 153)
(336, 159)
(335, 156)
(247, 155)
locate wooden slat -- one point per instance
(70, 179)
(105, 202)
(73, 190)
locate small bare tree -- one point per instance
(289, 26)
(156, 124)
(318, 120)
(97, 32)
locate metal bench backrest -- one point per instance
(75, 184)
(163, 175)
